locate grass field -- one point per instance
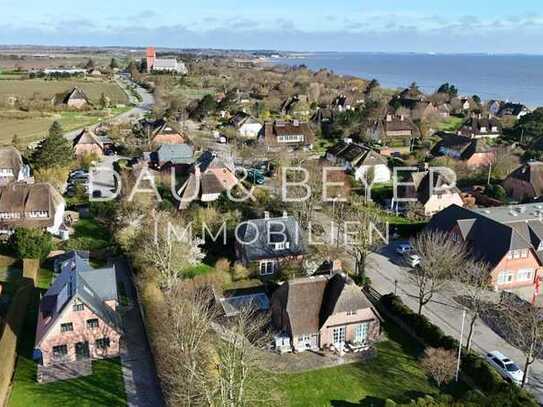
(46, 89)
(35, 128)
(89, 235)
(451, 124)
(393, 374)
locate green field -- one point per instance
(46, 89)
(35, 126)
(393, 374)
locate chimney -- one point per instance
(266, 215)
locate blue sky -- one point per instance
(498, 26)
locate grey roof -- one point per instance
(356, 154)
(78, 280)
(175, 153)
(258, 238)
(492, 232)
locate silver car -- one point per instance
(506, 367)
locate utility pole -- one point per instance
(489, 173)
(460, 344)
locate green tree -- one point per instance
(90, 64)
(53, 151)
(530, 127)
(114, 64)
(31, 243)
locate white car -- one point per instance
(404, 248)
(506, 367)
(413, 260)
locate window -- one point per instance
(267, 267)
(290, 138)
(349, 313)
(60, 351)
(92, 323)
(66, 327)
(505, 277)
(516, 254)
(280, 246)
(525, 275)
(361, 332)
(102, 343)
(338, 334)
(79, 307)
(524, 253)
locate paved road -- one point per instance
(444, 312)
(136, 112)
(139, 374)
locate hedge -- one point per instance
(472, 365)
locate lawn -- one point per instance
(89, 234)
(451, 124)
(35, 127)
(104, 387)
(393, 374)
(46, 89)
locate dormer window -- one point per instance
(38, 214)
(350, 313)
(282, 245)
(483, 129)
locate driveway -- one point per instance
(139, 374)
(443, 311)
(103, 176)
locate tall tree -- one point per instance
(90, 64)
(114, 64)
(440, 256)
(54, 151)
(524, 324)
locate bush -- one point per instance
(240, 272)
(222, 265)
(31, 243)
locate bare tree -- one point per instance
(523, 324)
(240, 379)
(168, 246)
(474, 279)
(363, 232)
(439, 364)
(439, 256)
(185, 353)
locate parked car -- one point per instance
(506, 367)
(413, 260)
(255, 176)
(404, 248)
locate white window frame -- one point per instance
(529, 274)
(267, 267)
(338, 334)
(506, 277)
(361, 332)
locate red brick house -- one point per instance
(322, 312)
(508, 238)
(77, 316)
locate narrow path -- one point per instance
(139, 373)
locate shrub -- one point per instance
(439, 364)
(222, 265)
(31, 243)
(240, 272)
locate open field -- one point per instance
(35, 126)
(45, 89)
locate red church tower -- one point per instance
(151, 56)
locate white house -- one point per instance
(359, 160)
(248, 127)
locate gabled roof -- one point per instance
(258, 238)
(530, 173)
(464, 147)
(492, 232)
(272, 130)
(79, 282)
(75, 93)
(87, 137)
(11, 158)
(356, 154)
(310, 301)
(512, 109)
(175, 154)
(24, 199)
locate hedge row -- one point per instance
(473, 365)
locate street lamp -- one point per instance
(460, 344)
